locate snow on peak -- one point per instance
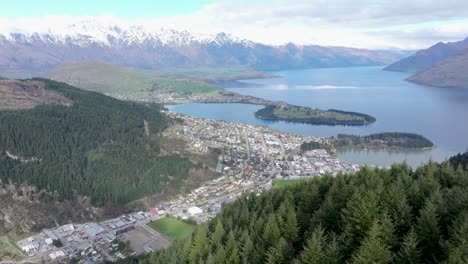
(88, 31)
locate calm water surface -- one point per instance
(439, 114)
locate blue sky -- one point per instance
(374, 24)
(120, 8)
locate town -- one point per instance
(170, 98)
(251, 159)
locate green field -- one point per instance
(283, 183)
(172, 228)
(112, 79)
(9, 250)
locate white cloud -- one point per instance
(360, 23)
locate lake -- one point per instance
(439, 114)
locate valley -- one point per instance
(233, 132)
(164, 87)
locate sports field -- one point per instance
(172, 228)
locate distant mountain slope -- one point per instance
(99, 147)
(451, 72)
(426, 58)
(112, 79)
(142, 48)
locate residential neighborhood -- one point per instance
(251, 158)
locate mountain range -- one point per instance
(451, 73)
(426, 58)
(442, 65)
(23, 53)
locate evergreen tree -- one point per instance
(291, 229)
(220, 255)
(409, 252)
(313, 252)
(271, 232)
(276, 254)
(218, 235)
(199, 249)
(373, 248)
(428, 233)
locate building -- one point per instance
(49, 241)
(50, 234)
(93, 229)
(194, 211)
(33, 246)
(56, 255)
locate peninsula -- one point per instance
(393, 140)
(302, 114)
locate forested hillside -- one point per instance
(375, 216)
(98, 146)
(460, 160)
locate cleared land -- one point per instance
(304, 114)
(144, 241)
(9, 250)
(172, 228)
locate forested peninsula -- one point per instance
(302, 114)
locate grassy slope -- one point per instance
(112, 79)
(9, 249)
(172, 228)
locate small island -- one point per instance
(392, 140)
(302, 114)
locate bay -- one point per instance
(440, 114)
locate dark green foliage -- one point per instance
(392, 215)
(302, 114)
(57, 243)
(460, 160)
(399, 140)
(96, 147)
(314, 145)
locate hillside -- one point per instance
(392, 215)
(426, 58)
(451, 72)
(134, 46)
(98, 146)
(112, 79)
(27, 94)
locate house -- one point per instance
(57, 254)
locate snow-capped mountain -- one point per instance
(140, 46)
(89, 32)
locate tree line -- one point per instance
(396, 215)
(388, 139)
